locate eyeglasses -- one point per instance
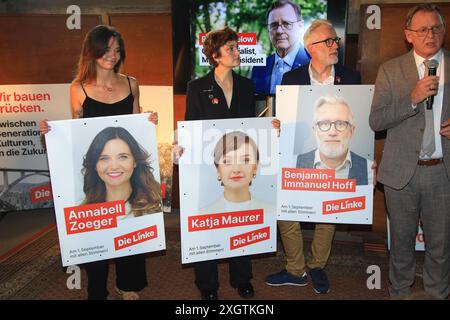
(286, 25)
(422, 32)
(329, 42)
(339, 125)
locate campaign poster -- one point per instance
(326, 154)
(24, 176)
(227, 188)
(106, 187)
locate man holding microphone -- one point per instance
(412, 102)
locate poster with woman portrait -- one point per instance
(326, 167)
(227, 188)
(106, 187)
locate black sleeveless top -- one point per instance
(93, 108)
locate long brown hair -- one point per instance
(94, 46)
(146, 191)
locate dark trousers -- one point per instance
(130, 276)
(207, 277)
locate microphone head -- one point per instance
(432, 64)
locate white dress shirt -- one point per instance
(438, 99)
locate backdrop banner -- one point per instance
(24, 176)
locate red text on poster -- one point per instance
(249, 238)
(133, 238)
(41, 193)
(344, 205)
(93, 217)
(225, 220)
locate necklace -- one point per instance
(105, 87)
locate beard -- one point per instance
(333, 151)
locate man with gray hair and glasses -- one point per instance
(412, 103)
(322, 43)
(284, 23)
(334, 127)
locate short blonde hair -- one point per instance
(310, 31)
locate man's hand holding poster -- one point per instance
(106, 187)
(227, 188)
(326, 169)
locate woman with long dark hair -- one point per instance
(99, 90)
(115, 168)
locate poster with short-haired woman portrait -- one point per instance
(227, 188)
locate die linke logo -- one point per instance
(133, 238)
(249, 238)
(41, 193)
(314, 180)
(344, 205)
(244, 38)
(93, 217)
(225, 220)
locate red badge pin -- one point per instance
(215, 101)
(338, 79)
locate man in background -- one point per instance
(322, 44)
(284, 22)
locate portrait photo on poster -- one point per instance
(330, 159)
(227, 188)
(115, 162)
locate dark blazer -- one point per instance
(203, 92)
(261, 74)
(358, 170)
(300, 76)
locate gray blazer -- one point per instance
(392, 111)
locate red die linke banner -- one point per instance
(225, 220)
(41, 193)
(344, 205)
(130, 239)
(93, 217)
(315, 180)
(244, 38)
(249, 238)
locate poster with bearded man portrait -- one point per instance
(326, 169)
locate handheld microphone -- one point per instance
(432, 66)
